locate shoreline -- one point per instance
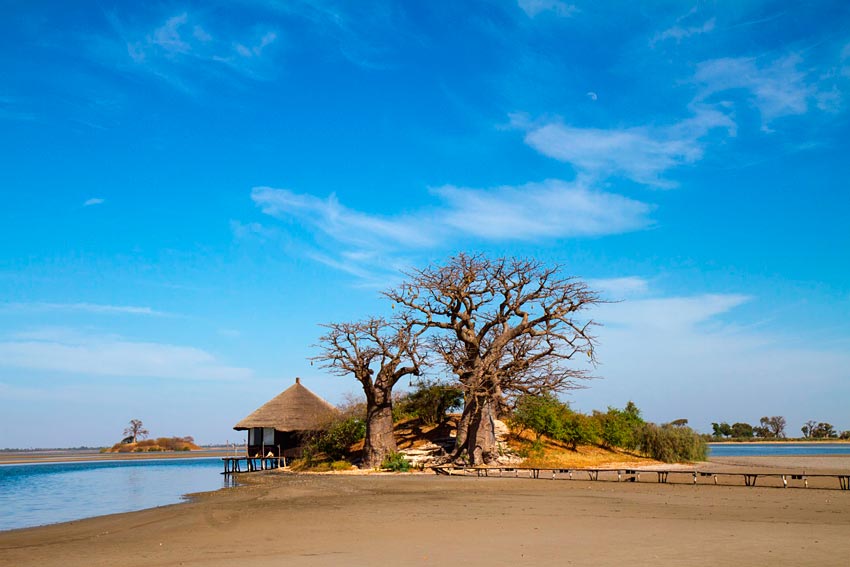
(91, 456)
(783, 442)
(279, 517)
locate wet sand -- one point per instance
(281, 518)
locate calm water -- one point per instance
(777, 449)
(33, 495)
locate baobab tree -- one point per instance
(136, 430)
(378, 353)
(503, 327)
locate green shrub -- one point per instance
(542, 414)
(620, 427)
(672, 444)
(340, 466)
(396, 462)
(577, 429)
(338, 437)
(429, 402)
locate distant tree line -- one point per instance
(822, 430)
(773, 427)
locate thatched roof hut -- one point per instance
(277, 425)
(294, 409)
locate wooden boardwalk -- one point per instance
(679, 476)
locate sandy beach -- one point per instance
(281, 518)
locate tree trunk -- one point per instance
(481, 438)
(476, 434)
(462, 432)
(380, 440)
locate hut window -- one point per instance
(255, 436)
(268, 435)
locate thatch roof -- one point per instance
(294, 409)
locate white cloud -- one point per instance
(592, 96)
(551, 209)
(80, 353)
(534, 8)
(357, 242)
(183, 46)
(680, 32)
(676, 357)
(339, 222)
(615, 289)
(167, 37)
(93, 201)
(670, 314)
(777, 88)
(642, 153)
(256, 50)
(82, 307)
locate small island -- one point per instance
(135, 442)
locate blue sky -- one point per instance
(190, 189)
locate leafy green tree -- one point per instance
(431, 401)
(339, 437)
(824, 430)
(541, 414)
(741, 430)
(772, 427)
(620, 428)
(721, 429)
(545, 415)
(577, 429)
(808, 428)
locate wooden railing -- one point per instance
(789, 479)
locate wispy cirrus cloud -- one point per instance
(533, 8)
(339, 222)
(93, 201)
(83, 308)
(73, 352)
(185, 48)
(777, 88)
(551, 209)
(642, 153)
(349, 240)
(616, 289)
(685, 27)
(679, 32)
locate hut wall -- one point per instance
(287, 443)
